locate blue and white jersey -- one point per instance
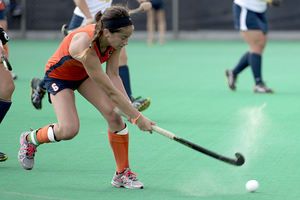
(94, 6)
(259, 6)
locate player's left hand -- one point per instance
(276, 3)
(90, 21)
(145, 6)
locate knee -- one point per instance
(7, 90)
(114, 120)
(259, 46)
(10, 88)
(67, 132)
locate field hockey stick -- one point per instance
(239, 158)
(275, 3)
(6, 62)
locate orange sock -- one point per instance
(119, 145)
(43, 135)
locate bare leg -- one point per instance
(7, 88)
(161, 20)
(256, 40)
(66, 112)
(151, 26)
(89, 90)
(118, 142)
(7, 85)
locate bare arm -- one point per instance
(112, 70)
(144, 5)
(81, 4)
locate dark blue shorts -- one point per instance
(2, 14)
(76, 22)
(157, 4)
(245, 19)
(54, 85)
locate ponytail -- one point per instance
(111, 13)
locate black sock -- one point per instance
(243, 63)
(255, 62)
(124, 74)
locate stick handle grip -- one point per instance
(157, 129)
(163, 132)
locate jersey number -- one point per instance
(54, 87)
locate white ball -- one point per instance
(252, 185)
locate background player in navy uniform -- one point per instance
(251, 19)
(157, 12)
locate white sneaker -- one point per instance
(126, 179)
(230, 79)
(27, 152)
(140, 104)
(261, 88)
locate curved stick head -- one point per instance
(240, 159)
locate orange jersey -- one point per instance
(2, 5)
(63, 66)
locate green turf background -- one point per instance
(186, 83)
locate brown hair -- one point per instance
(112, 12)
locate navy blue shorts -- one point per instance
(157, 4)
(54, 85)
(245, 19)
(76, 22)
(2, 14)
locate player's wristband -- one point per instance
(142, 1)
(134, 121)
(3, 36)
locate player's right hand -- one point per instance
(276, 3)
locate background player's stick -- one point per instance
(6, 62)
(275, 3)
(134, 11)
(239, 158)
